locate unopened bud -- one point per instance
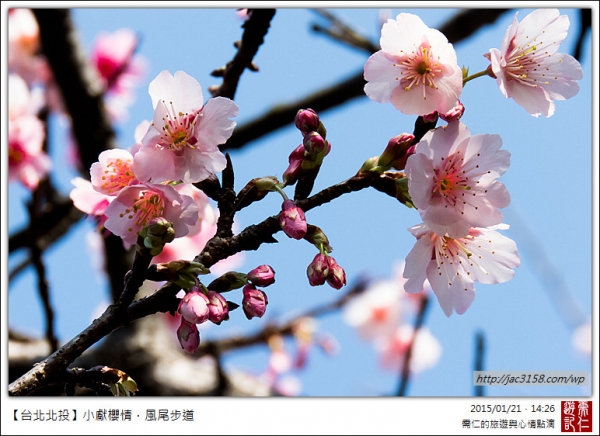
(432, 117)
(254, 302)
(262, 275)
(369, 165)
(158, 232)
(396, 152)
(188, 336)
(290, 175)
(193, 307)
(454, 114)
(292, 220)
(314, 143)
(217, 307)
(317, 270)
(306, 121)
(336, 276)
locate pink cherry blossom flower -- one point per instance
(426, 350)
(27, 161)
(88, 200)
(112, 172)
(529, 69)
(120, 69)
(23, 47)
(452, 179)
(452, 265)
(377, 311)
(183, 141)
(207, 215)
(135, 205)
(416, 69)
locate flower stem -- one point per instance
(474, 76)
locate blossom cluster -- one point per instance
(453, 175)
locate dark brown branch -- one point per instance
(255, 28)
(55, 221)
(341, 32)
(479, 355)
(585, 19)
(408, 355)
(226, 201)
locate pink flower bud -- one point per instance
(454, 114)
(292, 220)
(290, 175)
(188, 336)
(317, 270)
(307, 121)
(217, 308)
(254, 302)
(336, 276)
(431, 118)
(194, 307)
(314, 143)
(397, 151)
(262, 275)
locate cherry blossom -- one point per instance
(27, 161)
(183, 141)
(453, 179)
(426, 349)
(112, 172)
(89, 200)
(120, 69)
(377, 311)
(23, 56)
(529, 69)
(416, 69)
(135, 205)
(452, 265)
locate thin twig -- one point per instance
(341, 32)
(408, 355)
(255, 28)
(479, 355)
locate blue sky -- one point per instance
(525, 323)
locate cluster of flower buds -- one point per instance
(306, 159)
(201, 304)
(158, 232)
(324, 268)
(196, 307)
